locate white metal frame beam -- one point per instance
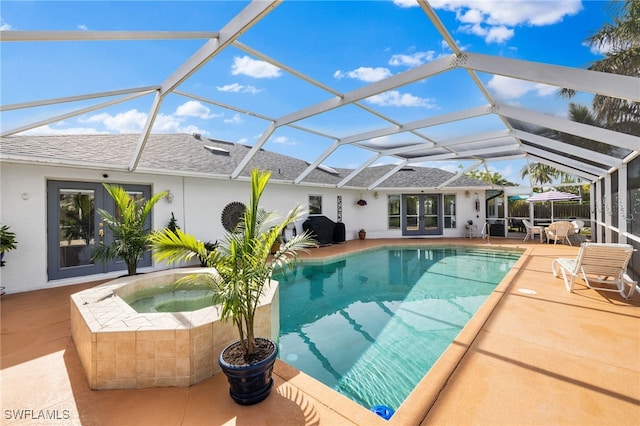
(74, 113)
(568, 148)
(597, 171)
(602, 83)
(103, 35)
(45, 102)
(467, 155)
(564, 168)
(387, 175)
(458, 175)
(586, 131)
(357, 171)
(240, 23)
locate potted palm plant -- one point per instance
(243, 272)
(7, 242)
(127, 226)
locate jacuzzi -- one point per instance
(120, 348)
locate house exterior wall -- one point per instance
(197, 205)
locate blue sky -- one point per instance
(344, 45)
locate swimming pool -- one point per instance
(372, 324)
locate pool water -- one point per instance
(372, 324)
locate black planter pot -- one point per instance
(249, 383)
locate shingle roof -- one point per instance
(193, 154)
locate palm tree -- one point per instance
(241, 260)
(541, 173)
(127, 226)
(495, 178)
(621, 39)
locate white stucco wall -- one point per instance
(197, 205)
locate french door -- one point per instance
(422, 214)
(74, 227)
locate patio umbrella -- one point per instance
(553, 196)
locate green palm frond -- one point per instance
(127, 227)
(242, 259)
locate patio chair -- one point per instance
(604, 264)
(577, 227)
(559, 231)
(532, 230)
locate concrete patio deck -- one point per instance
(539, 357)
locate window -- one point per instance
(393, 204)
(449, 211)
(315, 204)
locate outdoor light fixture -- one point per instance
(477, 203)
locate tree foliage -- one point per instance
(620, 43)
(127, 226)
(495, 178)
(541, 174)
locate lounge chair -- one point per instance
(604, 264)
(532, 230)
(559, 231)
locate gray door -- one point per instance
(422, 214)
(74, 228)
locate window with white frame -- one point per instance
(393, 210)
(450, 211)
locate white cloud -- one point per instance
(171, 124)
(131, 121)
(405, 3)
(413, 60)
(47, 130)
(82, 27)
(496, 20)
(238, 88)
(195, 109)
(4, 26)
(471, 16)
(254, 68)
(509, 12)
(511, 88)
(233, 120)
(283, 140)
(366, 74)
(395, 98)
(499, 34)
